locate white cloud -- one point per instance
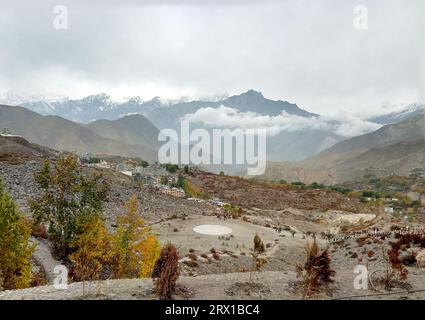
(344, 124)
(296, 50)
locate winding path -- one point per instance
(44, 258)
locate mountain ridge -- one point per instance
(394, 149)
(61, 134)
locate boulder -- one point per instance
(420, 259)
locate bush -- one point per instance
(166, 272)
(361, 241)
(38, 279)
(192, 190)
(316, 271)
(39, 231)
(172, 168)
(191, 263)
(231, 211)
(193, 256)
(394, 271)
(258, 250)
(15, 252)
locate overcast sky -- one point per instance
(303, 51)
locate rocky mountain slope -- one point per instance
(410, 130)
(61, 134)
(248, 194)
(134, 129)
(394, 149)
(15, 150)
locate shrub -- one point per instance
(231, 211)
(15, 252)
(361, 241)
(258, 250)
(166, 272)
(191, 263)
(396, 265)
(258, 245)
(192, 190)
(172, 168)
(193, 257)
(394, 271)
(38, 279)
(316, 271)
(39, 231)
(216, 256)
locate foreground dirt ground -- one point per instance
(275, 285)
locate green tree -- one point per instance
(172, 168)
(67, 200)
(15, 251)
(180, 182)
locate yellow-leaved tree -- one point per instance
(92, 250)
(15, 250)
(135, 248)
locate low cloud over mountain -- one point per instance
(345, 125)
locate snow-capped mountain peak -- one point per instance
(399, 114)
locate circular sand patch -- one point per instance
(212, 230)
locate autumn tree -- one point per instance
(92, 250)
(15, 250)
(166, 272)
(135, 247)
(68, 198)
